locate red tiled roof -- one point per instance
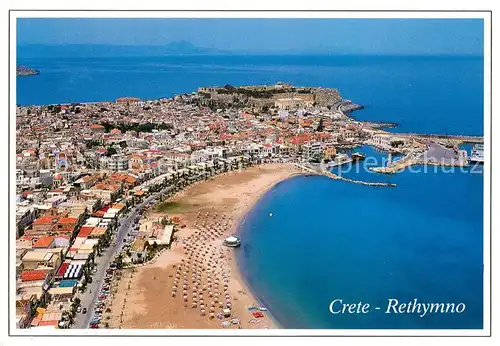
(66, 220)
(62, 269)
(45, 220)
(99, 213)
(85, 231)
(48, 323)
(34, 275)
(44, 242)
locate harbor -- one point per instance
(435, 155)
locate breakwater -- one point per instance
(458, 139)
(311, 171)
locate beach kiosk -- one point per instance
(232, 241)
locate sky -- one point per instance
(341, 36)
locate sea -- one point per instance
(332, 240)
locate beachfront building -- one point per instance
(312, 150)
(138, 250)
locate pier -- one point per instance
(326, 173)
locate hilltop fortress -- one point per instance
(280, 95)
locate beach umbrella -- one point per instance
(185, 298)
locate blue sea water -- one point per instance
(329, 239)
(422, 93)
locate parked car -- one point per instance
(79, 309)
(84, 311)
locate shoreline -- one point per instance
(222, 203)
(236, 229)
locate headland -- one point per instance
(26, 71)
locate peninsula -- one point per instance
(26, 71)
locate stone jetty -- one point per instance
(330, 175)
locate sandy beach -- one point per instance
(190, 284)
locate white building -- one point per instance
(310, 150)
(117, 162)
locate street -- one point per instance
(102, 263)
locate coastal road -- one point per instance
(103, 262)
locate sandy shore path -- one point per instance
(189, 285)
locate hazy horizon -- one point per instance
(263, 35)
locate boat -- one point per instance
(232, 241)
(340, 159)
(477, 154)
(357, 156)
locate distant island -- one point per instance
(26, 71)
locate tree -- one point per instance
(110, 151)
(119, 261)
(316, 158)
(320, 127)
